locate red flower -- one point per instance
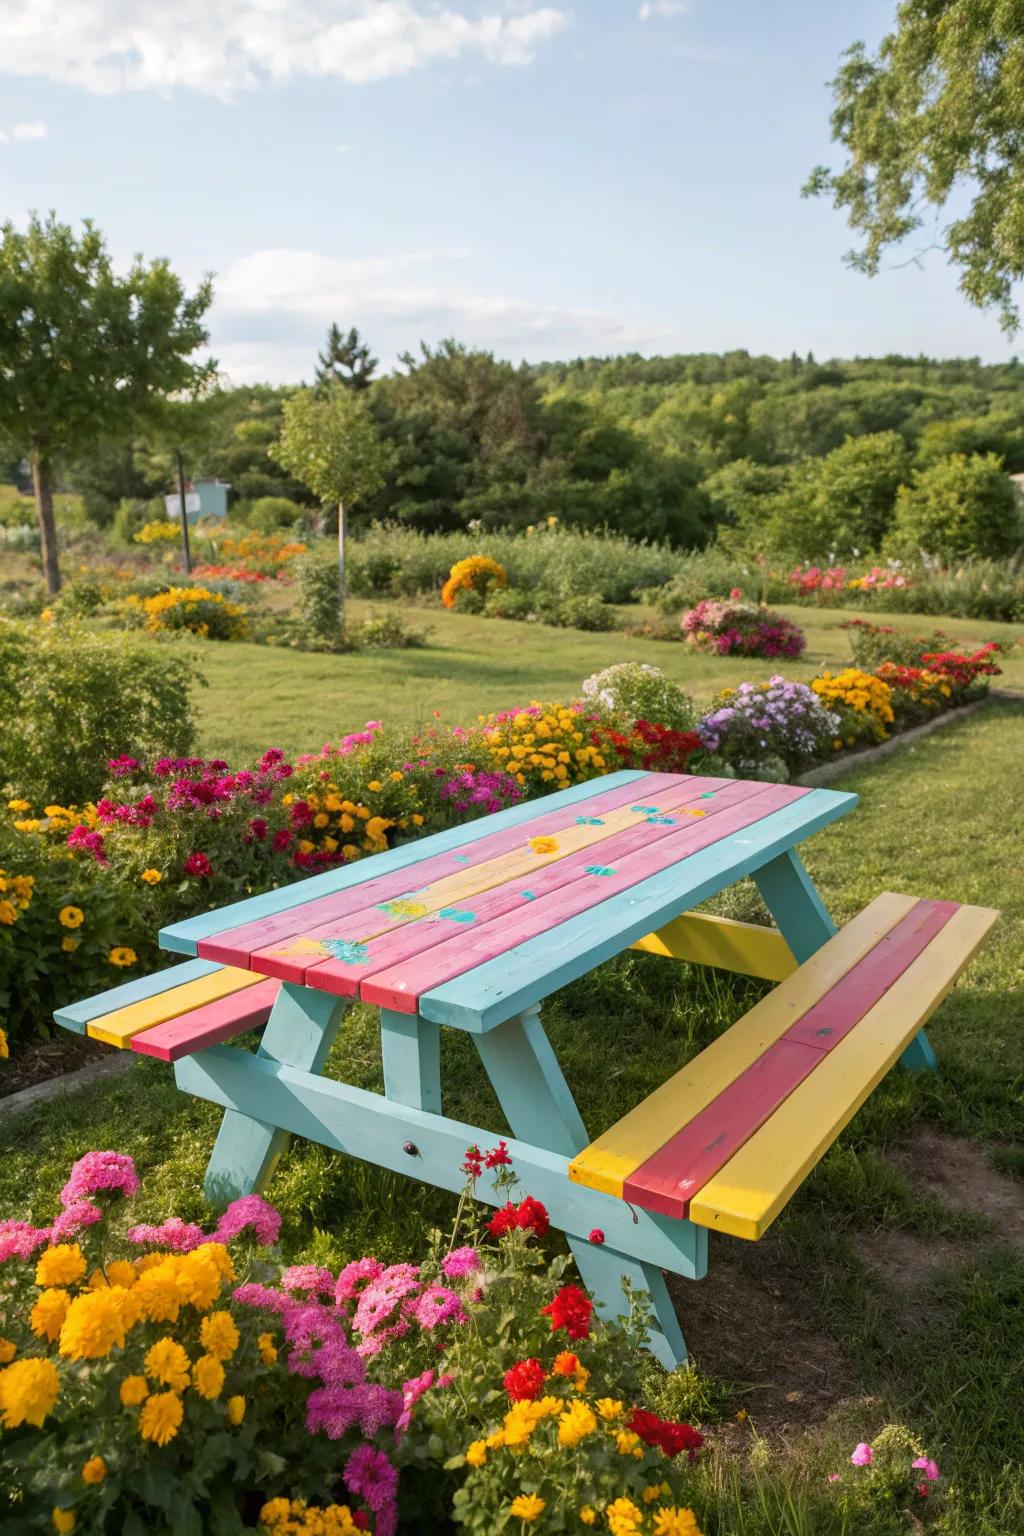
(472, 1164)
(198, 864)
(529, 1215)
(504, 1220)
(566, 1364)
(360, 1519)
(258, 828)
(596, 1236)
(497, 1157)
(525, 1380)
(281, 840)
(672, 1439)
(570, 1309)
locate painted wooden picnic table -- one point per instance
(473, 928)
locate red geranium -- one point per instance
(671, 1438)
(497, 1157)
(198, 864)
(525, 1380)
(528, 1215)
(570, 1309)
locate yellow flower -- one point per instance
(496, 1440)
(122, 954)
(609, 1407)
(526, 1506)
(476, 1453)
(208, 1377)
(61, 1264)
(544, 844)
(218, 1335)
(95, 1470)
(63, 1520)
(4, 1050)
(134, 1390)
(68, 945)
(670, 1521)
(623, 1517)
(157, 1290)
(28, 1391)
(47, 1316)
(588, 1514)
(8, 1350)
(626, 1442)
(199, 1279)
(168, 1363)
(266, 1347)
(71, 917)
(236, 1410)
(161, 1417)
(151, 876)
(120, 1272)
(19, 805)
(576, 1422)
(374, 785)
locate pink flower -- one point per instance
(833, 1477)
(438, 1305)
(177, 1235)
(74, 1217)
(198, 864)
(862, 1455)
(370, 1475)
(460, 1263)
(19, 1240)
(381, 1296)
(250, 1211)
(263, 1297)
(308, 1277)
(98, 1171)
(928, 1467)
(348, 1284)
(596, 1236)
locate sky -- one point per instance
(542, 178)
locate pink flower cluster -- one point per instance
(742, 629)
(96, 1173)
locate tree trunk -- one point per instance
(43, 490)
(186, 553)
(341, 565)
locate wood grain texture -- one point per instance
(750, 949)
(117, 1028)
(210, 1024)
(75, 1016)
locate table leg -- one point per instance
(540, 1109)
(411, 1052)
(299, 1033)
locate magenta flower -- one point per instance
(82, 1213)
(250, 1211)
(348, 1285)
(370, 1475)
(263, 1297)
(438, 1305)
(177, 1235)
(460, 1263)
(97, 1172)
(928, 1467)
(308, 1277)
(19, 1239)
(862, 1455)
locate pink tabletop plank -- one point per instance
(390, 939)
(209, 1025)
(401, 987)
(235, 945)
(668, 1181)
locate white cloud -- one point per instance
(664, 8)
(272, 309)
(23, 132)
(223, 46)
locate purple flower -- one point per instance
(98, 1171)
(250, 1211)
(370, 1475)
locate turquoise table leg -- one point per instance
(299, 1033)
(799, 912)
(411, 1051)
(540, 1109)
(919, 1056)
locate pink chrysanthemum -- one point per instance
(251, 1211)
(438, 1305)
(19, 1239)
(460, 1263)
(82, 1213)
(100, 1171)
(177, 1235)
(352, 1276)
(381, 1297)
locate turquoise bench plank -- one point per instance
(499, 988)
(76, 1016)
(184, 937)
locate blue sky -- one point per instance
(542, 178)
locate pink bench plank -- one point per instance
(401, 987)
(235, 945)
(372, 926)
(389, 941)
(667, 1181)
(209, 1025)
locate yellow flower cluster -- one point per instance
(189, 608)
(58, 819)
(860, 692)
(931, 689)
(294, 1517)
(477, 573)
(15, 895)
(162, 531)
(350, 825)
(545, 744)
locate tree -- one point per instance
(331, 444)
(938, 110)
(964, 505)
(345, 360)
(839, 505)
(85, 354)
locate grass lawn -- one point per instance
(890, 1290)
(260, 697)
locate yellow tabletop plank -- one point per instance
(613, 1156)
(751, 949)
(117, 1028)
(751, 1189)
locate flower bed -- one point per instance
(736, 628)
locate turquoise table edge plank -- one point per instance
(76, 1016)
(500, 988)
(183, 937)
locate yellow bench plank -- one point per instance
(615, 1155)
(751, 1189)
(749, 948)
(117, 1028)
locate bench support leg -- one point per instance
(919, 1056)
(540, 1109)
(799, 912)
(411, 1052)
(299, 1033)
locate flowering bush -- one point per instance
(194, 608)
(477, 574)
(878, 644)
(862, 701)
(741, 629)
(544, 744)
(634, 690)
(890, 1473)
(915, 693)
(161, 531)
(758, 726)
(835, 579)
(268, 553)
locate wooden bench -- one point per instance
(729, 1138)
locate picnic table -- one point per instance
(474, 928)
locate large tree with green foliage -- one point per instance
(958, 507)
(345, 360)
(938, 110)
(86, 354)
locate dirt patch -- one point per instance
(755, 1321)
(44, 1059)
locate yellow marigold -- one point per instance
(8, 913)
(47, 1316)
(576, 1422)
(95, 1470)
(520, 1423)
(68, 945)
(236, 1409)
(63, 1520)
(670, 1521)
(374, 784)
(476, 1453)
(218, 1335)
(122, 955)
(71, 917)
(275, 1511)
(495, 1440)
(134, 1390)
(157, 1289)
(8, 1350)
(168, 1363)
(526, 1506)
(268, 1351)
(161, 1417)
(151, 876)
(208, 1377)
(19, 805)
(609, 1407)
(626, 1442)
(28, 1391)
(219, 1256)
(199, 1279)
(121, 1272)
(588, 1515)
(61, 1264)
(623, 1517)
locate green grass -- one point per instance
(259, 696)
(941, 819)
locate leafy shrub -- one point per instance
(131, 516)
(962, 506)
(108, 692)
(634, 690)
(580, 612)
(386, 632)
(740, 629)
(197, 609)
(317, 599)
(873, 644)
(269, 513)
(973, 589)
(510, 603)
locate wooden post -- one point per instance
(341, 564)
(185, 551)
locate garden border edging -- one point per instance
(827, 773)
(66, 1083)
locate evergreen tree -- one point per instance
(345, 360)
